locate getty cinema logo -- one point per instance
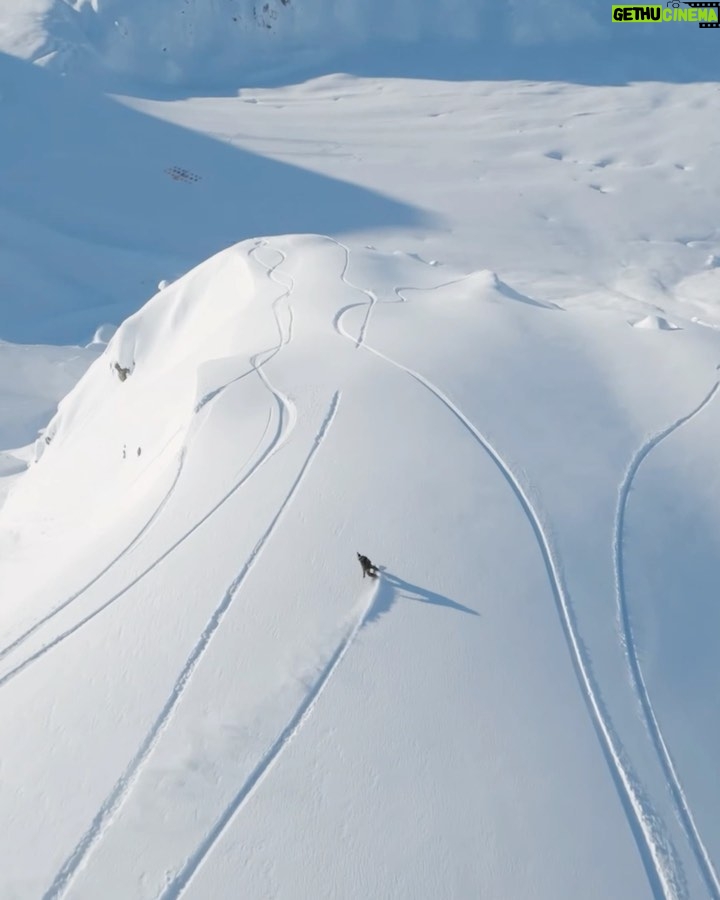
(707, 15)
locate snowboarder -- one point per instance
(367, 567)
(122, 372)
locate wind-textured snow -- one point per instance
(465, 325)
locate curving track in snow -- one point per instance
(117, 796)
(176, 888)
(682, 807)
(115, 799)
(662, 865)
(256, 368)
(60, 638)
(371, 298)
(663, 868)
(56, 610)
(286, 418)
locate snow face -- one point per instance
(411, 337)
(33, 380)
(464, 705)
(655, 323)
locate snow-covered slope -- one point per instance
(186, 43)
(225, 705)
(33, 380)
(570, 191)
(467, 327)
(99, 203)
(175, 41)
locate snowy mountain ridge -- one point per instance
(180, 40)
(138, 46)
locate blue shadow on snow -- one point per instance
(100, 201)
(391, 589)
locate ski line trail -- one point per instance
(115, 799)
(663, 869)
(682, 806)
(185, 875)
(286, 411)
(284, 336)
(372, 298)
(435, 287)
(662, 866)
(398, 292)
(284, 339)
(176, 888)
(183, 878)
(20, 639)
(60, 638)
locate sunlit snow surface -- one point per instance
(466, 327)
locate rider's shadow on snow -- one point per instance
(391, 589)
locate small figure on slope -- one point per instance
(122, 372)
(367, 567)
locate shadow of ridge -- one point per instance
(389, 591)
(507, 291)
(101, 200)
